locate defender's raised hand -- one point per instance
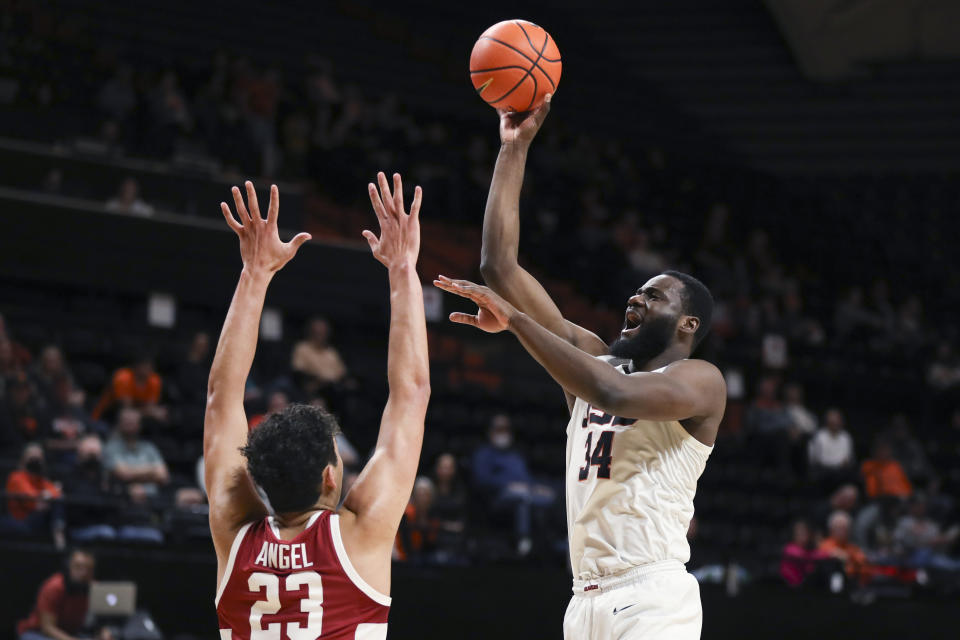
(494, 313)
(260, 244)
(522, 127)
(399, 241)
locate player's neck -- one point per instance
(299, 519)
(671, 354)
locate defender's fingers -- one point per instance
(371, 239)
(252, 199)
(273, 211)
(465, 318)
(299, 239)
(377, 203)
(228, 215)
(242, 212)
(385, 194)
(417, 198)
(397, 194)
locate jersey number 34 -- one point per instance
(601, 457)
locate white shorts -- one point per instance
(658, 601)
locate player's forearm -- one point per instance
(501, 219)
(238, 339)
(408, 367)
(643, 395)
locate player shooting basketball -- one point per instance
(643, 419)
(310, 571)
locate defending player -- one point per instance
(310, 572)
(643, 421)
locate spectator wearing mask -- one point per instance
(317, 362)
(801, 556)
(33, 500)
(132, 462)
(138, 386)
(831, 450)
(883, 476)
(91, 508)
(838, 545)
(60, 612)
(501, 472)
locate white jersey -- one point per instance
(630, 487)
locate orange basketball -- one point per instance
(514, 65)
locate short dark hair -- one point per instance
(287, 453)
(697, 302)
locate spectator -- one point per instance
(193, 372)
(316, 360)
(33, 500)
(137, 386)
(831, 450)
(766, 414)
(909, 451)
(944, 372)
(117, 96)
(845, 498)
(800, 555)
(500, 471)
(418, 533)
(91, 508)
(128, 200)
(277, 401)
(921, 540)
(838, 545)
(449, 504)
(803, 422)
(135, 464)
(48, 371)
(19, 354)
(883, 475)
(22, 417)
(68, 420)
(60, 611)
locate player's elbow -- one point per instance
(495, 268)
(414, 392)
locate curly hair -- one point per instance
(287, 453)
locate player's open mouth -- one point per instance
(633, 320)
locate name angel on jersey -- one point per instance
(283, 556)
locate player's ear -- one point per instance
(689, 324)
(329, 478)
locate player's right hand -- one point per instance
(522, 127)
(260, 244)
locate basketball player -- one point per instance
(309, 571)
(643, 419)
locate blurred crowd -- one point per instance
(791, 322)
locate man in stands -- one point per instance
(61, 608)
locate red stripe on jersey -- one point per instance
(303, 589)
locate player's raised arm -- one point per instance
(683, 390)
(233, 500)
(501, 233)
(380, 495)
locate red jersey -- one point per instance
(301, 589)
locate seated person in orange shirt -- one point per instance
(33, 500)
(838, 545)
(883, 475)
(137, 386)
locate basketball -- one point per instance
(514, 64)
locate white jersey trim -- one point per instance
(359, 582)
(234, 548)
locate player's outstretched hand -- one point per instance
(260, 244)
(399, 241)
(493, 313)
(522, 127)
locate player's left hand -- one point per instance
(494, 313)
(399, 241)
